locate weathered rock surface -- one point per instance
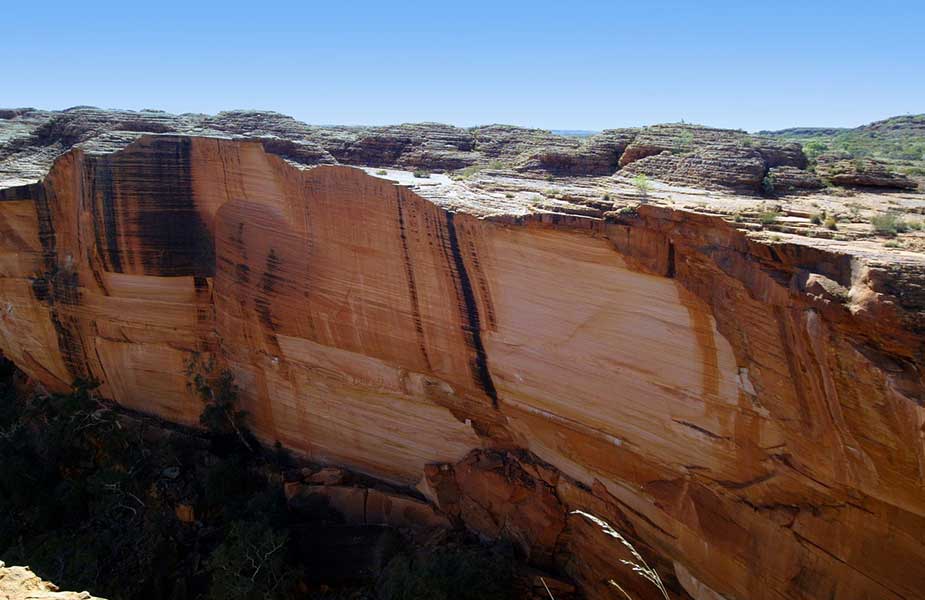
(20, 583)
(842, 169)
(702, 156)
(710, 394)
(730, 166)
(31, 139)
(790, 179)
(596, 155)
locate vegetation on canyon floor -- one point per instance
(94, 498)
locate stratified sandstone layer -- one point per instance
(747, 411)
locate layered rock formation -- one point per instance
(31, 139)
(747, 412)
(843, 169)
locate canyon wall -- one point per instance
(748, 414)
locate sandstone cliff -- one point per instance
(747, 409)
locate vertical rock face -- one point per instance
(750, 417)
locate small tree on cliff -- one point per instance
(642, 185)
(220, 415)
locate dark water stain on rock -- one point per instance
(145, 214)
(469, 311)
(59, 287)
(412, 285)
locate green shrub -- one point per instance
(768, 217)
(219, 393)
(767, 185)
(831, 222)
(814, 148)
(469, 171)
(421, 174)
(382, 172)
(919, 171)
(888, 224)
(684, 142)
(817, 219)
(642, 184)
(627, 211)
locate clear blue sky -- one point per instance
(562, 64)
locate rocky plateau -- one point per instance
(525, 330)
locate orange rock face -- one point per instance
(748, 416)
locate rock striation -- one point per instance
(842, 169)
(792, 180)
(31, 139)
(709, 393)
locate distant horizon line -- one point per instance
(567, 131)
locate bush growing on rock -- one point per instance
(814, 148)
(888, 224)
(468, 172)
(220, 414)
(642, 184)
(768, 217)
(767, 185)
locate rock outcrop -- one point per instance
(20, 583)
(791, 180)
(31, 139)
(709, 394)
(707, 157)
(842, 169)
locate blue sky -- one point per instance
(562, 65)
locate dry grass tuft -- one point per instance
(641, 567)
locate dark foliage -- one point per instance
(89, 498)
(459, 574)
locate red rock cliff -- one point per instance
(748, 414)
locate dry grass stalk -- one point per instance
(641, 567)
